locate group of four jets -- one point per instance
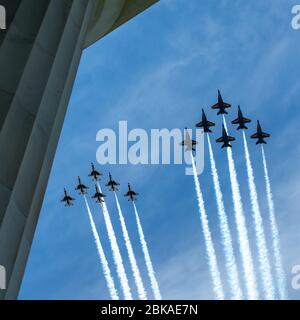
(99, 196)
(225, 138)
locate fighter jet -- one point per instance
(260, 135)
(205, 124)
(95, 174)
(225, 139)
(188, 142)
(81, 187)
(112, 184)
(131, 194)
(98, 195)
(221, 105)
(67, 199)
(241, 120)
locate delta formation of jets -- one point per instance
(81, 188)
(241, 121)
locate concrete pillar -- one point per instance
(32, 127)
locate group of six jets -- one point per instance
(225, 138)
(98, 196)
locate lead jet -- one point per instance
(260, 135)
(81, 187)
(95, 174)
(131, 194)
(205, 124)
(225, 139)
(112, 184)
(221, 105)
(67, 199)
(98, 195)
(241, 120)
(188, 142)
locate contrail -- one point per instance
(107, 274)
(116, 252)
(265, 267)
(212, 259)
(281, 282)
(151, 272)
(225, 231)
(134, 267)
(241, 228)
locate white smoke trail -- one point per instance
(116, 252)
(265, 267)
(225, 231)
(241, 228)
(107, 274)
(151, 272)
(212, 259)
(134, 267)
(280, 275)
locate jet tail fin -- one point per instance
(222, 112)
(242, 126)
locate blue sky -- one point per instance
(158, 71)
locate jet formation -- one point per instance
(189, 145)
(98, 196)
(241, 121)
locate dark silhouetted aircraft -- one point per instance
(81, 187)
(112, 184)
(67, 199)
(225, 139)
(221, 105)
(131, 194)
(241, 120)
(98, 195)
(188, 142)
(95, 174)
(205, 124)
(260, 135)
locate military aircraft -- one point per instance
(188, 142)
(260, 135)
(112, 184)
(95, 174)
(81, 187)
(225, 139)
(131, 194)
(205, 124)
(98, 195)
(241, 120)
(221, 105)
(67, 199)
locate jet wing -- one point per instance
(265, 135)
(255, 136)
(220, 139)
(226, 105)
(215, 106)
(210, 124)
(246, 120)
(194, 142)
(236, 121)
(231, 138)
